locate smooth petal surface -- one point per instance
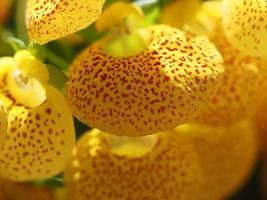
(166, 85)
(116, 13)
(39, 140)
(227, 156)
(31, 65)
(48, 20)
(169, 170)
(243, 87)
(179, 12)
(246, 25)
(22, 79)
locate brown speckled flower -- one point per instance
(168, 84)
(227, 155)
(39, 140)
(242, 88)
(53, 19)
(106, 167)
(246, 25)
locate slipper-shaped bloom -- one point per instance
(39, 140)
(54, 19)
(243, 87)
(154, 167)
(245, 25)
(40, 133)
(227, 156)
(165, 85)
(19, 191)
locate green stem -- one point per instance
(21, 30)
(56, 60)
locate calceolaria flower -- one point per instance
(165, 84)
(50, 20)
(224, 164)
(245, 26)
(243, 87)
(40, 133)
(182, 164)
(157, 167)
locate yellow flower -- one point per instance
(166, 85)
(40, 136)
(192, 162)
(50, 20)
(243, 87)
(245, 25)
(227, 155)
(108, 167)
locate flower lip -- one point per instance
(25, 89)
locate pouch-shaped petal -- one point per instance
(168, 170)
(54, 19)
(245, 25)
(227, 156)
(243, 87)
(166, 85)
(39, 140)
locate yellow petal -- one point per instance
(179, 12)
(166, 85)
(39, 140)
(245, 25)
(243, 88)
(22, 79)
(227, 156)
(50, 20)
(169, 170)
(24, 89)
(20, 191)
(116, 13)
(31, 65)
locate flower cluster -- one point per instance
(175, 107)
